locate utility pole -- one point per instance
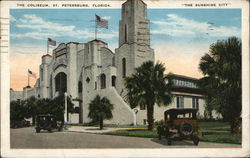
(65, 110)
(95, 29)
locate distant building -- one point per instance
(84, 70)
(16, 95)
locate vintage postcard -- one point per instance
(125, 78)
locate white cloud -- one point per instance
(12, 18)
(106, 17)
(177, 26)
(113, 34)
(41, 29)
(173, 32)
(31, 21)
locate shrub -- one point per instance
(159, 123)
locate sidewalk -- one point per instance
(89, 129)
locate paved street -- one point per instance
(28, 138)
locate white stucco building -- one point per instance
(84, 70)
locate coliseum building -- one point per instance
(84, 70)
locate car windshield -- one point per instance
(184, 116)
(173, 114)
(180, 116)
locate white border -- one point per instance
(170, 152)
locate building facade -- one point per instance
(83, 70)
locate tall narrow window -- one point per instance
(123, 67)
(80, 87)
(103, 81)
(113, 81)
(126, 33)
(113, 61)
(51, 90)
(177, 102)
(180, 102)
(195, 103)
(95, 85)
(41, 74)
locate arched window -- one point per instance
(123, 67)
(88, 80)
(79, 87)
(61, 82)
(95, 85)
(103, 81)
(113, 81)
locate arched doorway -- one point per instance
(79, 108)
(61, 83)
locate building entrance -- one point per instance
(61, 83)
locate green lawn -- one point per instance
(218, 132)
(209, 125)
(135, 133)
(125, 126)
(222, 138)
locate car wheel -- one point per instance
(49, 130)
(159, 136)
(196, 140)
(159, 132)
(169, 142)
(186, 129)
(37, 130)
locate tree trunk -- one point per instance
(33, 120)
(210, 114)
(150, 116)
(101, 123)
(235, 125)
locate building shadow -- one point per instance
(94, 129)
(163, 141)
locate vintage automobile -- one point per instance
(19, 124)
(47, 122)
(180, 124)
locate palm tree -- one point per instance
(31, 105)
(222, 82)
(56, 107)
(18, 111)
(147, 86)
(100, 109)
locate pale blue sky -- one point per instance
(180, 37)
(34, 26)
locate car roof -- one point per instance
(179, 111)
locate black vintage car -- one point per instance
(47, 122)
(180, 124)
(19, 124)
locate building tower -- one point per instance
(134, 40)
